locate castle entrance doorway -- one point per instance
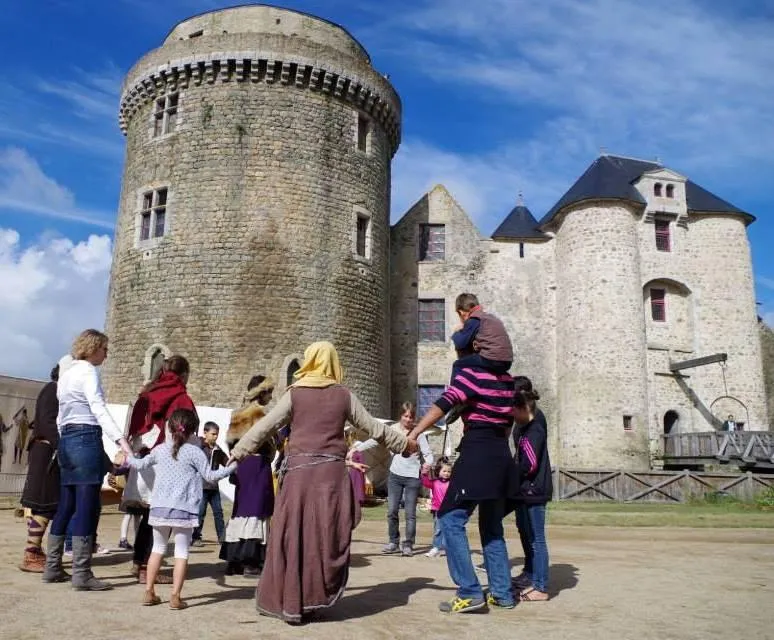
(671, 422)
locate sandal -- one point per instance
(175, 602)
(533, 595)
(150, 599)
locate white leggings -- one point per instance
(182, 540)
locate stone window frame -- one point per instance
(141, 211)
(150, 353)
(424, 242)
(363, 133)
(360, 213)
(434, 335)
(164, 111)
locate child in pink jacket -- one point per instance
(438, 486)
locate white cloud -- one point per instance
(25, 187)
(51, 291)
(687, 82)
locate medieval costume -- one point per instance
(41, 489)
(315, 501)
(247, 532)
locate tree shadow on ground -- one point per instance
(562, 577)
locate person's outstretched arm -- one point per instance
(365, 422)
(273, 421)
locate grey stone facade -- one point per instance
(265, 178)
(265, 138)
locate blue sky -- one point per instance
(499, 96)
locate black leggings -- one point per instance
(143, 541)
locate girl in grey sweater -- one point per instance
(180, 466)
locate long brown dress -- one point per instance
(307, 559)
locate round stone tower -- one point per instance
(254, 212)
(602, 375)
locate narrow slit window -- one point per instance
(361, 241)
(628, 423)
(663, 239)
(521, 249)
(658, 305)
(363, 133)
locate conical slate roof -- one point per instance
(519, 224)
(613, 177)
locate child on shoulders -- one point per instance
(481, 341)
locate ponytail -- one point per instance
(183, 423)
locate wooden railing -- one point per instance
(655, 486)
(748, 449)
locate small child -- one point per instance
(438, 487)
(177, 491)
(211, 493)
(481, 341)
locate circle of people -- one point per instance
(169, 476)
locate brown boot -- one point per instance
(34, 561)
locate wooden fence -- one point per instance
(655, 486)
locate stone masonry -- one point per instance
(254, 219)
(281, 139)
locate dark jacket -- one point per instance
(535, 484)
(46, 411)
(217, 458)
(492, 340)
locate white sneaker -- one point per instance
(433, 553)
(99, 550)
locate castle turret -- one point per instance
(601, 372)
(254, 211)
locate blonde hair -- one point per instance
(88, 343)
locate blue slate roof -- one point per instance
(612, 177)
(519, 224)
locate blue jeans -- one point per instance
(438, 541)
(408, 489)
(531, 521)
(212, 497)
(490, 527)
(78, 511)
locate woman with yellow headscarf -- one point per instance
(307, 560)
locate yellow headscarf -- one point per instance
(321, 367)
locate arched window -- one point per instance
(292, 368)
(670, 191)
(657, 189)
(671, 422)
(157, 361)
(154, 360)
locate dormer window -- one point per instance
(670, 191)
(657, 189)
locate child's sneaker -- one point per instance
(124, 544)
(99, 550)
(463, 605)
(498, 603)
(434, 553)
(407, 550)
(390, 548)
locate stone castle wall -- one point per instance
(265, 183)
